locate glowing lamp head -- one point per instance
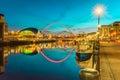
(99, 10)
(99, 25)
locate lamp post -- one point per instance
(99, 10)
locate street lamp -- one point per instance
(99, 10)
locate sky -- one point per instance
(77, 15)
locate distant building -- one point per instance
(104, 31)
(2, 18)
(115, 31)
(3, 29)
(30, 34)
(111, 31)
(91, 36)
(49, 36)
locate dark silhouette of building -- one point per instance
(3, 29)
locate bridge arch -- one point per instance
(49, 25)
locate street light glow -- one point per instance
(99, 10)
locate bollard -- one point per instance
(89, 74)
(97, 47)
(95, 51)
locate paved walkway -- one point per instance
(110, 61)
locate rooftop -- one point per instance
(1, 14)
(116, 22)
(103, 25)
(34, 30)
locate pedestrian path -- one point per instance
(110, 61)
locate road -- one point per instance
(110, 61)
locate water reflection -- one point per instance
(27, 63)
(4, 52)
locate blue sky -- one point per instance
(77, 14)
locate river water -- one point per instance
(44, 61)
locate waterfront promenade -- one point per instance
(110, 61)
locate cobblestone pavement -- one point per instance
(110, 61)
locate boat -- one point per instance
(84, 50)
